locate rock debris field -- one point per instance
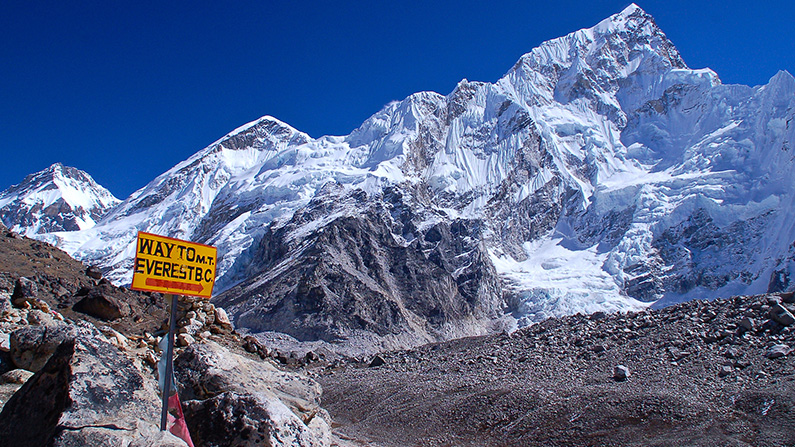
(702, 373)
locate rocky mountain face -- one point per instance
(59, 198)
(350, 263)
(599, 174)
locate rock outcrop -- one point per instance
(368, 266)
(235, 401)
(87, 393)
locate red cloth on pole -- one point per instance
(177, 425)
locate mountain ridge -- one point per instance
(603, 173)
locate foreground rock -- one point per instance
(87, 394)
(242, 420)
(235, 401)
(32, 346)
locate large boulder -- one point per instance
(208, 369)
(25, 289)
(32, 346)
(100, 302)
(229, 394)
(253, 419)
(88, 393)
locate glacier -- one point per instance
(608, 176)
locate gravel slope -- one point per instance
(697, 378)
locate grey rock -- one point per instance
(5, 342)
(357, 274)
(205, 370)
(25, 289)
(17, 376)
(781, 315)
(598, 349)
(777, 351)
(724, 371)
(241, 420)
(32, 346)
(620, 373)
(185, 340)
(88, 393)
(221, 317)
(731, 353)
(94, 272)
(102, 305)
(5, 302)
(747, 324)
(377, 361)
(37, 317)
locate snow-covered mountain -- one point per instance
(59, 198)
(600, 173)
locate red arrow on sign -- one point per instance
(174, 285)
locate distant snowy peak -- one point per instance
(59, 198)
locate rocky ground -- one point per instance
(702, 373)
(78, 360)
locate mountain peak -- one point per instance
(58, 198)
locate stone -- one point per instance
(377, 361)
(88, 393)
(192, 327)
(185, 340)
(747, 324)
(18, 376)
(5, 342)
(25, 289)
(221, 317)
(620, 373)
(101, 305)
(94, 272)
(781, 315)
(777, 351)
(150, 357)
(724, 371)
(115, 337)
(5, 302)
(242, 420)
(598, 349)
(37, 317)
(205, 370)
(32, 346)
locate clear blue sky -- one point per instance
(125, 90)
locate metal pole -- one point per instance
(169, 361)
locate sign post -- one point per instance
(172, 267)
(169, 362)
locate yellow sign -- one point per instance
(167, 265)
